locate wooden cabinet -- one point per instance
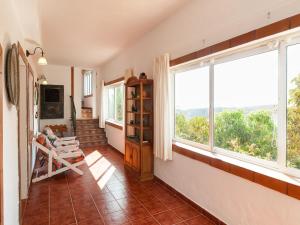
(139, 127)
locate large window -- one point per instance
(87, 84)
(115, 103)
(245, 104)
(192, 105)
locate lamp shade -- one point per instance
(42, 61)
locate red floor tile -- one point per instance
(167, 218)
(71, 199)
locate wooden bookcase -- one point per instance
(139, 127)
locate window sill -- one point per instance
(114, 124)
(87, 96)
(275, 180)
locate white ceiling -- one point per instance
(90, 32)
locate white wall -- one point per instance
(232, 199)
(10, 32)
(59, 75)
(78, 91)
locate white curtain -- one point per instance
(162, 108)
(102, 105)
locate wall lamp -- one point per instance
(42, 60)
(42, 79)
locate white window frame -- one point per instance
(114, 86)
(240, 52)
(181, 140)
(87, 84)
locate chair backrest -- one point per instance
(49, 133)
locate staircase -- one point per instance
(89, 134)
(86, 113)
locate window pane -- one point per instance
(293, 106)
(246, 104)
(192, 104)
(111, 103)
(119, 103)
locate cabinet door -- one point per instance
(128, 154)
(136, 158)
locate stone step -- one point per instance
(92, 143)
(89, 132)
(87, 121)
(91, 137)
(94, 135)
(87, 126)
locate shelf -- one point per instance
(146, 113)
(136, 99)
(138, 126)
(137, 141)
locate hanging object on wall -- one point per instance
(36, 93)
(12, 74)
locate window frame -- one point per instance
(250, 49)
(87, 84)
(288, 170)
(114, 120)
(182, 140)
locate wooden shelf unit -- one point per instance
(139, 127)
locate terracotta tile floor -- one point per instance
(105, 194)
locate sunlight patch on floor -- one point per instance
(92, 157)
(105, 177)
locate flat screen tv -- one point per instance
(52, 101)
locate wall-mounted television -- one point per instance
(52, 101)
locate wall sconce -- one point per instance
(42, 79)
(42, 60)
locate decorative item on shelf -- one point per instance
(12, 75)
(145, 94)
(131, 121)
(132, 79)
(42, 60)
(145, 121)
(143, 76)
(134, 108)
(133, 94)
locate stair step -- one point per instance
(92, 143)
(85, 121)
(91, 138)
(89, 134)
(95, 135)
(87, 126)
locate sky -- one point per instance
(246, 82)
